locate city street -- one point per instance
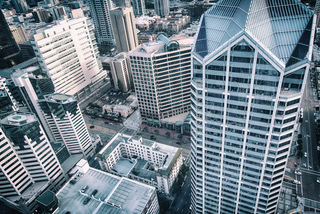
(310, 188)
(182, 201)
(308, 130)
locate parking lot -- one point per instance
(111, 99)
(71, 195)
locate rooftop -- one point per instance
(19, 118)
(115, 194)
(171, 153)
(59, 98)
(282, 28)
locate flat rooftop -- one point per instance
(115, 194)
(123, 166)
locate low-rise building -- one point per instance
(143, 160)
(94, 191)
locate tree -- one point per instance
(180, 136)
(168, 134)
(299, 135)
(156, 131)
(145, 129)
(152, 137)
(299, 147)
(299, 154)
(299, 141)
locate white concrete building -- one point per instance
(28, 164)
(124, 28)
(161, 73)
(121, 72)
(66, 124)
(105, 193)
(128, 155)
(100, 13)
(250, 64)
(68, 52)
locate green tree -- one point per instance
(168, 134)
(299, 154)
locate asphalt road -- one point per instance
(182, 201)
(309, 165)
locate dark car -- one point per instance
(94, 192)
(86, 200)
(179, 143)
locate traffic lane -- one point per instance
(182, 201)
(311, 189)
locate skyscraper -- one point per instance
(28, 157)
(10, 53)
(121, 73)
(161, 73)
(139, 7)
(66, 123)
(101, 19)
(28, 164)
(20, 6)
(162, 7)
(124, 28)
(68, 53)
(250, 66)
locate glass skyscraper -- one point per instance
(250, 64)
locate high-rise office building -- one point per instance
(122, 3)
(250, 66)
(10, 53)
(41, 15)
(161, 73)
(19, 34)
(27, 87)
(20, 6)
(66, 123)
(57, 12)
(27, 137)
(7, 102)
(121, 73)
(139, 7)
(28, 164)
(124, 28)
(161, 7)
(69, 54)
(100, 13)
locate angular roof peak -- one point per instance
(282, 26)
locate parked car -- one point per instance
(86, 200)
(94, 192)
(84, 188)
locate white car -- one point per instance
(305, 154)
(318, 180)
(298, 172)
(296, 182)
(318, 148)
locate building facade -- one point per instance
(28, 163)
(100, 13)
(20, 6)
(121, 73)
(161, 73)
(164, 161)
(124, 28)
(161, 7)
(19, 34)
(10, 53)
(249, 70)
(139, 8)
(66, 123)
(69, 54)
